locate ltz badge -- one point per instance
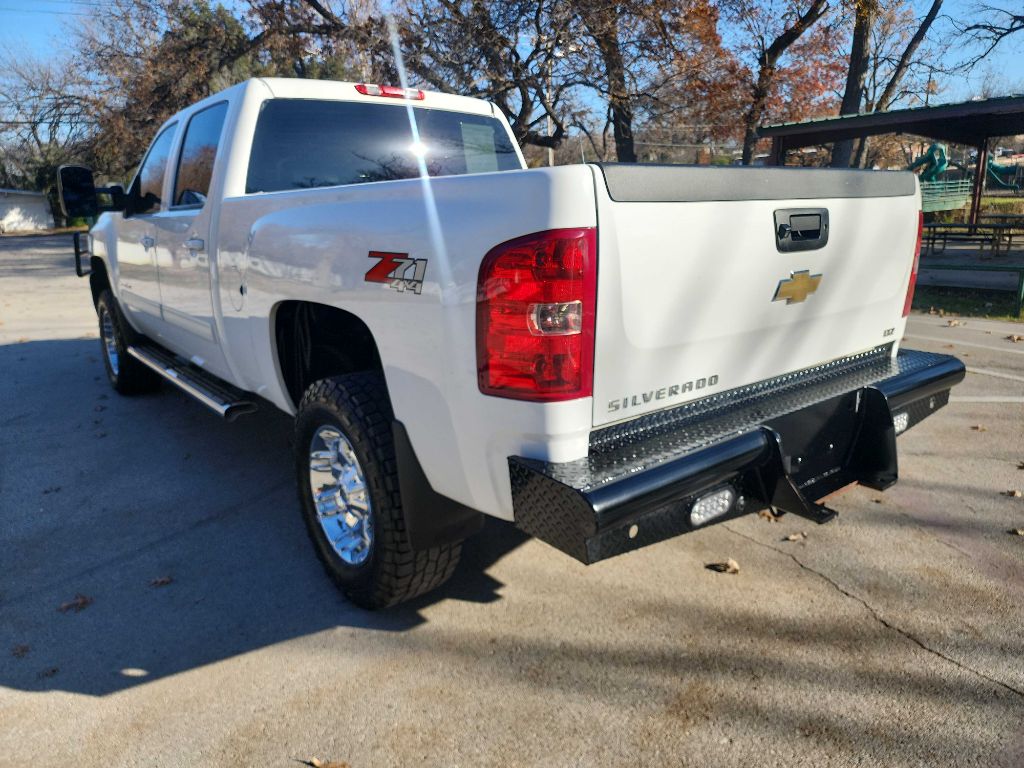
(398, 271)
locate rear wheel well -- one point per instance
(99, 281)
(315, 341)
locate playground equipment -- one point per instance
(939, 194)
(934, 161)
(945, 194)
(998, 173)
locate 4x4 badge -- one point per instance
(797, 287)
(398, 271)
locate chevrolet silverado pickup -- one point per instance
(607, 355)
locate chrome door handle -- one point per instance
(195, 244)
(148, 242)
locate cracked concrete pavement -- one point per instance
(892, 636)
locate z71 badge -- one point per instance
(398, 271)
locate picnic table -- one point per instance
(1013, 220)
(993, 234)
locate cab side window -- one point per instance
(198, 151)
(149, 183)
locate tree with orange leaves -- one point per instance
(789, 60)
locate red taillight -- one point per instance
(391, 91)
(913, 269)
(535, 308)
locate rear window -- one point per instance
(300, 143)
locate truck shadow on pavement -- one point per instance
(143, 537)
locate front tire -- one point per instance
(351, 504)
(126, 374)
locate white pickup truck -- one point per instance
(607, 355)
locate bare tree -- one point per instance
(892, 92)
(864, 12)
(899, 68)
(639, 55)
(994, 25)
(44, 120)
(771, 30)
(513, 53)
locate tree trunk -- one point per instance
(766, 73)
(889, 94)
(842, 151)
(862, 151)
(619, 102)
(759, 97)
(622, 130)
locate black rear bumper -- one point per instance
(784, 443)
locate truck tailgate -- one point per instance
(699, 292)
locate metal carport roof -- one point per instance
(968, 122)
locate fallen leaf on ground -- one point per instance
(877, 501)
(952, 323)
(78, 604)
(49, 672)
(796, 536)
(768, 515)
(949, 346)
(1013, 493)
(20, 651)
(729, 566)
(1015, 337)
(316, 762)
(1020, 465)
(1016, 531)
(979, 428)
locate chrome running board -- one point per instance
(217, 395)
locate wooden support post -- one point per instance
(980, 169)
(778, 153)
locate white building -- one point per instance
(24, 211)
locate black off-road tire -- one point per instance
(128, 376)
(358, 405)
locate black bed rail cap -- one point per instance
(651, 183)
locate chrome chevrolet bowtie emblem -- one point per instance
(797, 287)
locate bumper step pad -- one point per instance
(783, 443)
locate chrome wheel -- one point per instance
(342, 501)
(109, 341)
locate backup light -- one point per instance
(555, 319)
(901, 421)
(712, 505)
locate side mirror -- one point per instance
(112, 198)
(76, 192)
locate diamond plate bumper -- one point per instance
(784, 443)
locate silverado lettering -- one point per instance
(633, 401)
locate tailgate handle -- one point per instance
(801, 229)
